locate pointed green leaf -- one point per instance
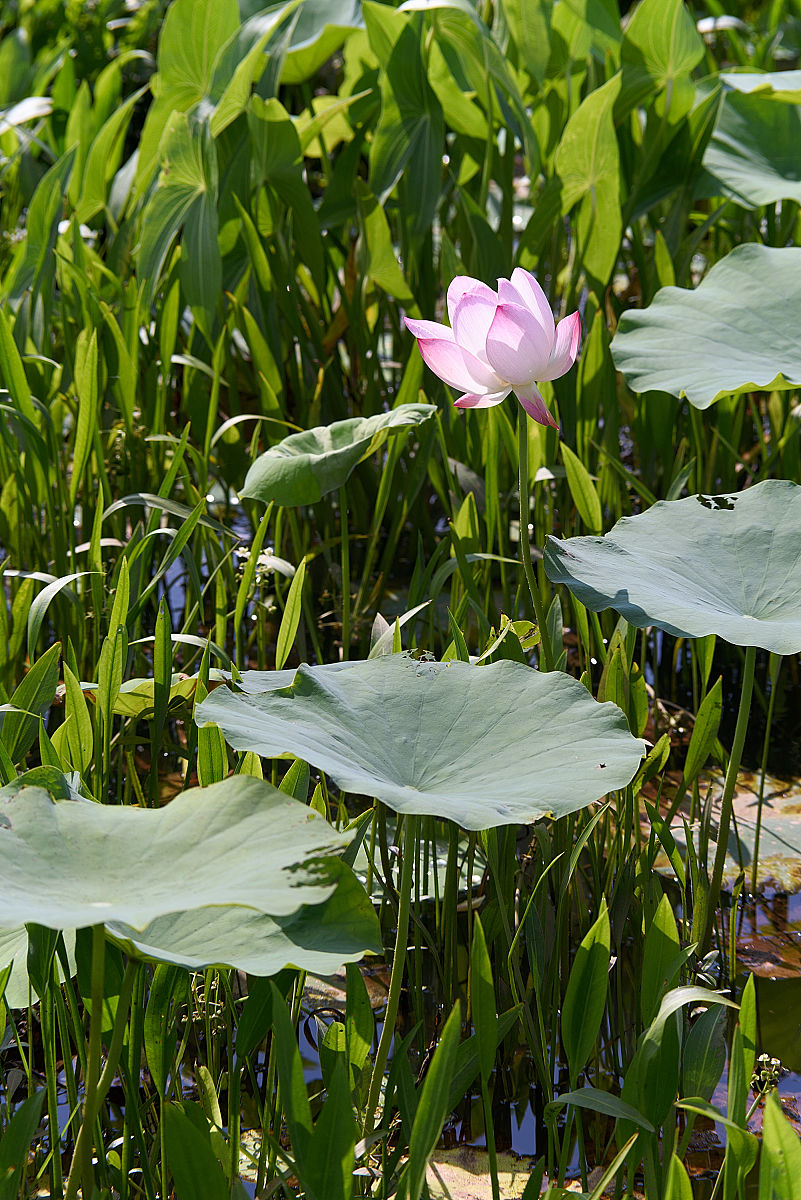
(781, 1154)
(585, 998)
(432, 1107)
(659, 956)
(482, 999)
(195, 1167)
(582, 490)
(32, 698)
(290, 621)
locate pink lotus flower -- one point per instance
(499, 342)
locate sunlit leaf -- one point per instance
(321, 28)
(410, 138)
(588, 164)
(185, 199)
(660, 48)
(779, 85)
(317, 938)
(14, 948)
(734, 333)
(725, 564)
(240, 842)
(304, 467)
(483, 746)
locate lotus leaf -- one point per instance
(728, 564)
(305, 466)
(753, 155)
(708, 343)
(317, 938)
(14, 948)
(240, 842)
(272, 681)
(482, 746)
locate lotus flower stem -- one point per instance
(774, 664)
(746, 690)
(525, 545)
(345, 549)
(411, 826)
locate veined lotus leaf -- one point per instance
(306, 466)
(482, 746)
(317, 938)
(728, 564)
(68, 864)
(737, 331)
(753, 154)
(272, 681)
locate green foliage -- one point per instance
(666, 347)
(214, 219)
(375, 729)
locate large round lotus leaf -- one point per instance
(304, 467)
(483, 746)
(737, 331)
(729, 565)
(753, 155)
(240, 842)
(317, 938)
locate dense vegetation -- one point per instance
(222, 457)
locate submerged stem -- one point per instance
(525, 544)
